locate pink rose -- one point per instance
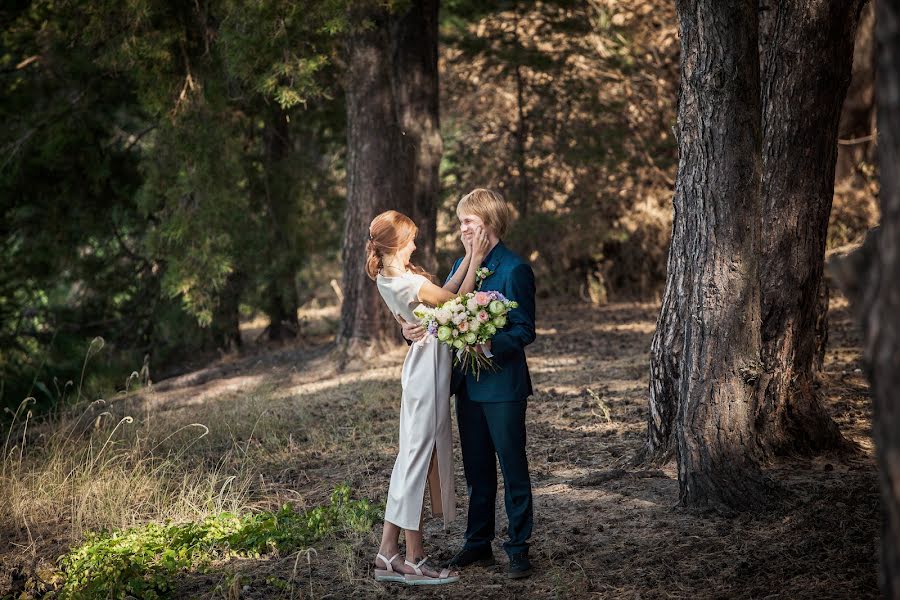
(482, 298)
(483, 316)
(463, 326)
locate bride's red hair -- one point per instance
(388, 233)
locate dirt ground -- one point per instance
(601, 529)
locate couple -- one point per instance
(490, 411)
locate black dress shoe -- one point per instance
(519, 566)
(480, 557)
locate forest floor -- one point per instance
(602, 529)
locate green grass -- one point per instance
(142, 562)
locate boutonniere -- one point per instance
(480, 275)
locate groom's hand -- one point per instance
(412, 331)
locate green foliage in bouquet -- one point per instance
(466, 322)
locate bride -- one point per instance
(425, 441)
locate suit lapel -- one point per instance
(492, 261)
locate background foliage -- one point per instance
(167, 169)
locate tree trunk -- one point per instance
(806, 55)
(882, 296)
(521, 121)
(666, 350)
(225, 329)
(821, 333)
(858, 113)
(415, 76)
(804, 74)
(718, 197)
(280, 303)
(391, 153)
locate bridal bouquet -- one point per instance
(465, 322)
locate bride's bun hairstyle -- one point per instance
(489, 206)
(388, 233)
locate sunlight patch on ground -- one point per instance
(590, 496)
(647, 327)
(383, 375)
(322, 312)
(212, 390)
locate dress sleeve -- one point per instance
(416, 282)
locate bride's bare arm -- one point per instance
(433, 295)
(459, 275)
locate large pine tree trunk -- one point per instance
(718, 197)
(882, 298)
(391, 153)
(806, 55)
(806, 52)
(415, 74)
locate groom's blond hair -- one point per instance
(489, 206)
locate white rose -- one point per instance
(471, 305)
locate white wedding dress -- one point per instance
(426, 445)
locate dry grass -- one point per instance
(282, 425)
(98, 470)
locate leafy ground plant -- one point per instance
(142, 561)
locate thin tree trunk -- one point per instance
(858, 113)
(521, 122)
(392, 153)
(718, 196)
(225, 329)
(280, 303)
(823, 298)
(415, 76)
(806, 52)
(882, 298)
(521, 137)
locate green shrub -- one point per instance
(142, 561)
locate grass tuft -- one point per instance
(142, 561)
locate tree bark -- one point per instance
(280, 303)
(806, 55)
(666, 350)
(415, 77)
(718, 197)
(393, 151)
(882, 297)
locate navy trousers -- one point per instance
(486, 429)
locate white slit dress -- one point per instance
(425, 430)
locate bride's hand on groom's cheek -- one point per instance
(480, 243)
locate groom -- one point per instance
(491, 410)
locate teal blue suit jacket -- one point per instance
(512, 277)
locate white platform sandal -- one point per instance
(419, 578)
(388, 574)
